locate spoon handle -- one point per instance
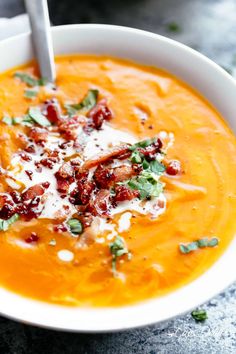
(40, 26)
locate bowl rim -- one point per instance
(137, 315)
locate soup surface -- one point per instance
(117, 184)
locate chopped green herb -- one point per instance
(136, 157)
(75, 226)
(4, 224)
(142, 144)
(156, 167)
(36, 115)
(147, 184)
(7, 120)
(201, 243)
(173, 27)
(16, 120)
(27, 121)
(52, 242)
(30, 80)
(30, 93)
(117, 249)
(199, 315)
(87, 103)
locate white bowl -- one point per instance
(199, 72)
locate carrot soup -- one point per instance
(117, 183)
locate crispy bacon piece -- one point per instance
(100, 113)
(66, 171)
(32, 192)
(101, 205)
(53, 110)
(68, 127)
(7, 211)
(150, 151)
(62, 184)
(39, 135)
(114, 153)
(32, 238)
(83, 191)
(173, 168)
(122, 173)
(125, 193)
(103, 177)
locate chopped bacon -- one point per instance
(125, 193)
(7, 211)
(49, 162)
(66, 170)
(62, 184)
(15, 197)
(86, 219)
(101, 205)
(33, 192)
(150, 151)
(83, 191)
(30, 148)
(39, 135)
(114, 153)
(103, 177)
(53, 111)
(32, 238)
(122, 173)
(100, 113)
(68, 127)
(25, 156)
(60, 228)
(173, 168)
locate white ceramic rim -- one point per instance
(209, 79)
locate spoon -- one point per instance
(42, 41)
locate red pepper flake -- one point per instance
(32, 238)
(29, 174)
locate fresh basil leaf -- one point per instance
(30, 93)
(199, 315)
(213, 242)
(156, 167)
(87, 103)
(70, 110)
(136, 157)
(27, 79)
(201, 243)
(36, 115)
(75, 226)
(117, 249)
(16, 120)
(4, 224)
(27, 121)
(142, 144)
(30, 80)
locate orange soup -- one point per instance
(117, 183)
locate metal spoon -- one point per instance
(42, 41)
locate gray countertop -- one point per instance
(210, 27)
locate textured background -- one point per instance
(210, 27)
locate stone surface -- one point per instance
(210, 27)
